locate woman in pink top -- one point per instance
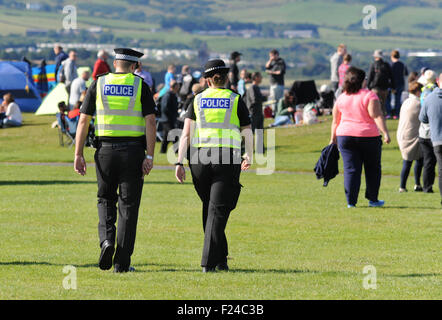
(357, 119)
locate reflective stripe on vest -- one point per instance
(217, 134)
(112, 120)
(216, 142)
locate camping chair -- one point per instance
(67, 129)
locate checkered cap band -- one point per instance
(215, 68)
(120, 56)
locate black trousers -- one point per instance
(166, 128)
(258, 123)
(429, 171)
(119, 176)
(438, 153)
(357, 152)
(218, 187)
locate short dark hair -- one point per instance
(62, 106)
(274, 51)
(290, 94)
(354, 78)
(347, 57)
(126, 64)
(395, 54)
(256, 75)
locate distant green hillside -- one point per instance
(400, 23)
(405, 24)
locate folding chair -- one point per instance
(66, 130)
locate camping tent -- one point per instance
(56, 95)
(16, 78)
(50, 102)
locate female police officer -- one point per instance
(215, 158)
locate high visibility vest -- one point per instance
(217, 122)
(119, 106)
(426, 90)
(429, 86)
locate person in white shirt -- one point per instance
(78, 87)
(13, 116)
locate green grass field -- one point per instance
(289, 238)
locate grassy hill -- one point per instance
(406, 25)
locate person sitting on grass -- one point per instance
(65, 122)
(2, 113)
(12, 114)
(285, 108)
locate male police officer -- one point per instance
(125, 128)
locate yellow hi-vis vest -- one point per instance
(217, 122)
(119, 106)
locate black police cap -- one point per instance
(215, 66)
(127, 54)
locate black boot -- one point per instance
(107, 252)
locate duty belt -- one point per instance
(115, 145)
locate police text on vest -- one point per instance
(215, 103)
(118, 90)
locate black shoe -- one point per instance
(209, 269)
(118, 270)
(107, 252)
(430, 190)
(222, 266)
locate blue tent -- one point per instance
(16, 78)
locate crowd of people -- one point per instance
(362, 103)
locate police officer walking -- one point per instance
(125, 129)
(215, 158)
